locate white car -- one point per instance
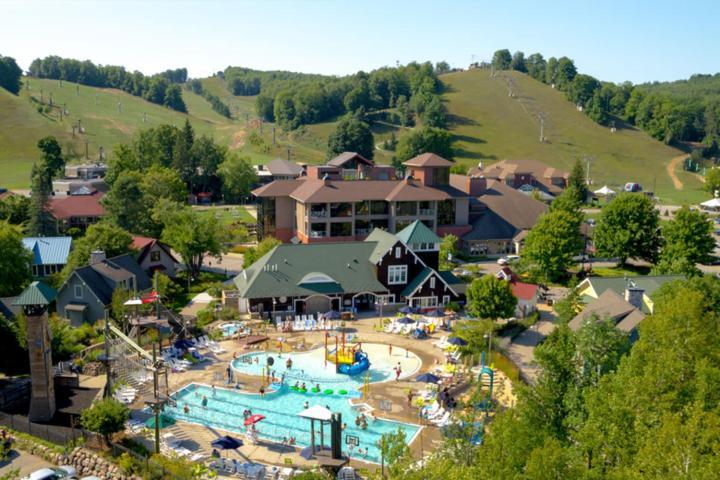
(53, 473)
(508, 259)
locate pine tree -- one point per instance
(41, 222)
(577, 181)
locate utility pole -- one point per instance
(542, 117)
(273, 134)
(588, 159)
(86, 149)
(288, 151)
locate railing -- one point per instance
(318, 234)
(362, 231)
(320, 214)
(56, 434)
(426, 212)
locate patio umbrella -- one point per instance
(405, 320)
(407, 310)
(457, 341)
(332, 315)
(252, 419)
(165, 421)
(226, 443)
(437, 313)
(427, 378)
(183, 344)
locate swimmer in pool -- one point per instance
(204, 401)
(306, 405)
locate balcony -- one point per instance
(427, 212)
(318, 213)
(362, 232)
(318, 234)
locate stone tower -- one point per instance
(35, 300)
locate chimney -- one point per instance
(409, 179)
(634, 295)
(97, 256)
(476, 185)
(326, 179)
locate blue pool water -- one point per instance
(225, 408)
(230, 329)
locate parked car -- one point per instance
(65, 472)
(507, 260)
(633, 187)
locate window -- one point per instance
(378, 208)
(318, 210)
(78, 291)
(318, 230)
(446, 212)
(397, 274)
(442, 176)
(343, 229)
(424, 302)
(406, 209)
(401, 224)
(446, 299)
(155, 256)
(432, 282)
(426, 208)
(342, 209)
(362, 227)
(362, 208)
(398, 252)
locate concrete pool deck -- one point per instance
(198, 438)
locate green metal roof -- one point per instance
(37, 293)
(417, 281)
(384, 242)
(416, 233)
(458, 285)
(649, 283)
(288, 270)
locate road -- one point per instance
(24, 461)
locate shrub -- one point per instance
(105, 417)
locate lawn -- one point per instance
(490, 126)
(228, 214)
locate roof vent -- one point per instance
(326, 179)
(409, 179)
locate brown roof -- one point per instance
(409, 191)
(610, 305)
(345, 157)
(278, 188)
(428, 160)
(77, 206)
(280, 166)
(537, 169)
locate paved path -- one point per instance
(522, 349)
(25, 462)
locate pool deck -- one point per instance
(198, 438)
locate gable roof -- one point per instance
(280, 166)
(523, 291)
(48, 250)
(284, 270)
(648, 283)
(345, 157)
(383, 240)
(416, 233)
(119, 268)
(77, 206)
(37, 293)
(138, 242)
(503, 213)
(428, 160)
(503, 168)
(610, 305)
(144, 244)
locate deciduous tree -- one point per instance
(14, 260)
(490, 298)
(106, 417)
(552, 243)
(425, 140)
(194, 237)
(502, 59)
(351, 135)
(238, 177)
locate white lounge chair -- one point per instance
(441, 420)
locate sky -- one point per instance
(635, 40)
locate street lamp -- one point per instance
(489, 339)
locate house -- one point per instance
(49, 254)
(78, 210)
(153, 255)
(500, 219)
(626, 312)
(87, 292)
(526, 176)
(527, 294)
(281, 169)
(90, 177)
(592, 288)
(350, 276)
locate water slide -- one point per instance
(361, 364)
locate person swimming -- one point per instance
(204, 401)
(306, 405)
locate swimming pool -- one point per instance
(230, 329)
(225, 408)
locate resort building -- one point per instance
(350, 196)
(625, 311)
(153, 255)
(526, 176)
(278, 169)
(643, 286)
(49, 254)
(77, 210)
(384, 269)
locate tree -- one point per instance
(124, 202)
(238, 177)
(536, 66)
(434, 113)
(252, 254)
(712, 180)
(490, 298)
(688, 240)
(183, 160)
(14, 261)
(194, 237)
(53, 160)
(570, 201)
(552, 243)
(551, 71)
(15, 209)
(566, 72)
(207, 158)
(351, 135)
(10, 75)
(502, 59)
(173, 98)
(578, 181)
(448, 251)
(106, 417)
(103, 236)
(425, 140)
(628, 228)
(41, 222)
(518, 62)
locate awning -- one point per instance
(76, 307)
(316, 412)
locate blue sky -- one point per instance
(611, 40)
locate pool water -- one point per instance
(230, 329)
(280, 407)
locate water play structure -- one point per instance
(349, 359)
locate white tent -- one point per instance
(316, 412)
(133, 301)
(713, 204)
(605, 192)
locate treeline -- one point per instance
(682, 111)
(195, 86)
(162, 89)
(10, 74)
(293, 99)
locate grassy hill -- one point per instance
(489, 126)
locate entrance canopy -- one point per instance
(317, 412)
(713, 204)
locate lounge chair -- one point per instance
(442, 343)
(438, 413)
(442, 420)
